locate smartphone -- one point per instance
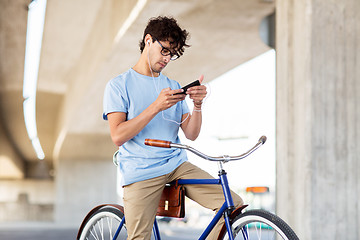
(193, 84)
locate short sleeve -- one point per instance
(115, 98)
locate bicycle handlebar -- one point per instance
(225, 158)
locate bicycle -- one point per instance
(107, 221)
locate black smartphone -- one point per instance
(185, 88)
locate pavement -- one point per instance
(39, 231)
(46, 231)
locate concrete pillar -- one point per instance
(81, 184)
(318, 117)
(85, 175)
(11, 164)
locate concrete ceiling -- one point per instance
(82, 50)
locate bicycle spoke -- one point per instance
(110, 227)
(97, 224)
(92, 233)
(257, 231)
(101, 228)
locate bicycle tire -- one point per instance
(259, 224)
(102, 224)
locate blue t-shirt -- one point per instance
(132, 93)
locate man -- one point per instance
(143, 103)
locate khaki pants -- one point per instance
(141, 199)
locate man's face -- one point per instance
(160, 55)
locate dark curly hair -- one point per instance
(166, 29)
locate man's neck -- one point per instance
(142, 67)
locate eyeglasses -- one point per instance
(166, 52)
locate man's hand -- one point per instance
(168, 98)
(122, 130)
(197, 93)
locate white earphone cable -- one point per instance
(158, 92)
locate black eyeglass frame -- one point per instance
(166, 52)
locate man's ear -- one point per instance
(147, 39)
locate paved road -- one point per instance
(44, 232)
(39, 234)
(51, 232)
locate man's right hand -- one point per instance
(122, 130)
(168, 98)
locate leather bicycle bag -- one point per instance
(172, 202)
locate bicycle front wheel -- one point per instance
(260, 224)
(103, 224)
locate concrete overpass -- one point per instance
(86, 43)
(83, 47)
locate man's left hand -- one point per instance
(197, 93)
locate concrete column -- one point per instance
(81, 184)
(318, 117)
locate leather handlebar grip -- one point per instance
(157, 143)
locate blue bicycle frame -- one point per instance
(225, 210)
